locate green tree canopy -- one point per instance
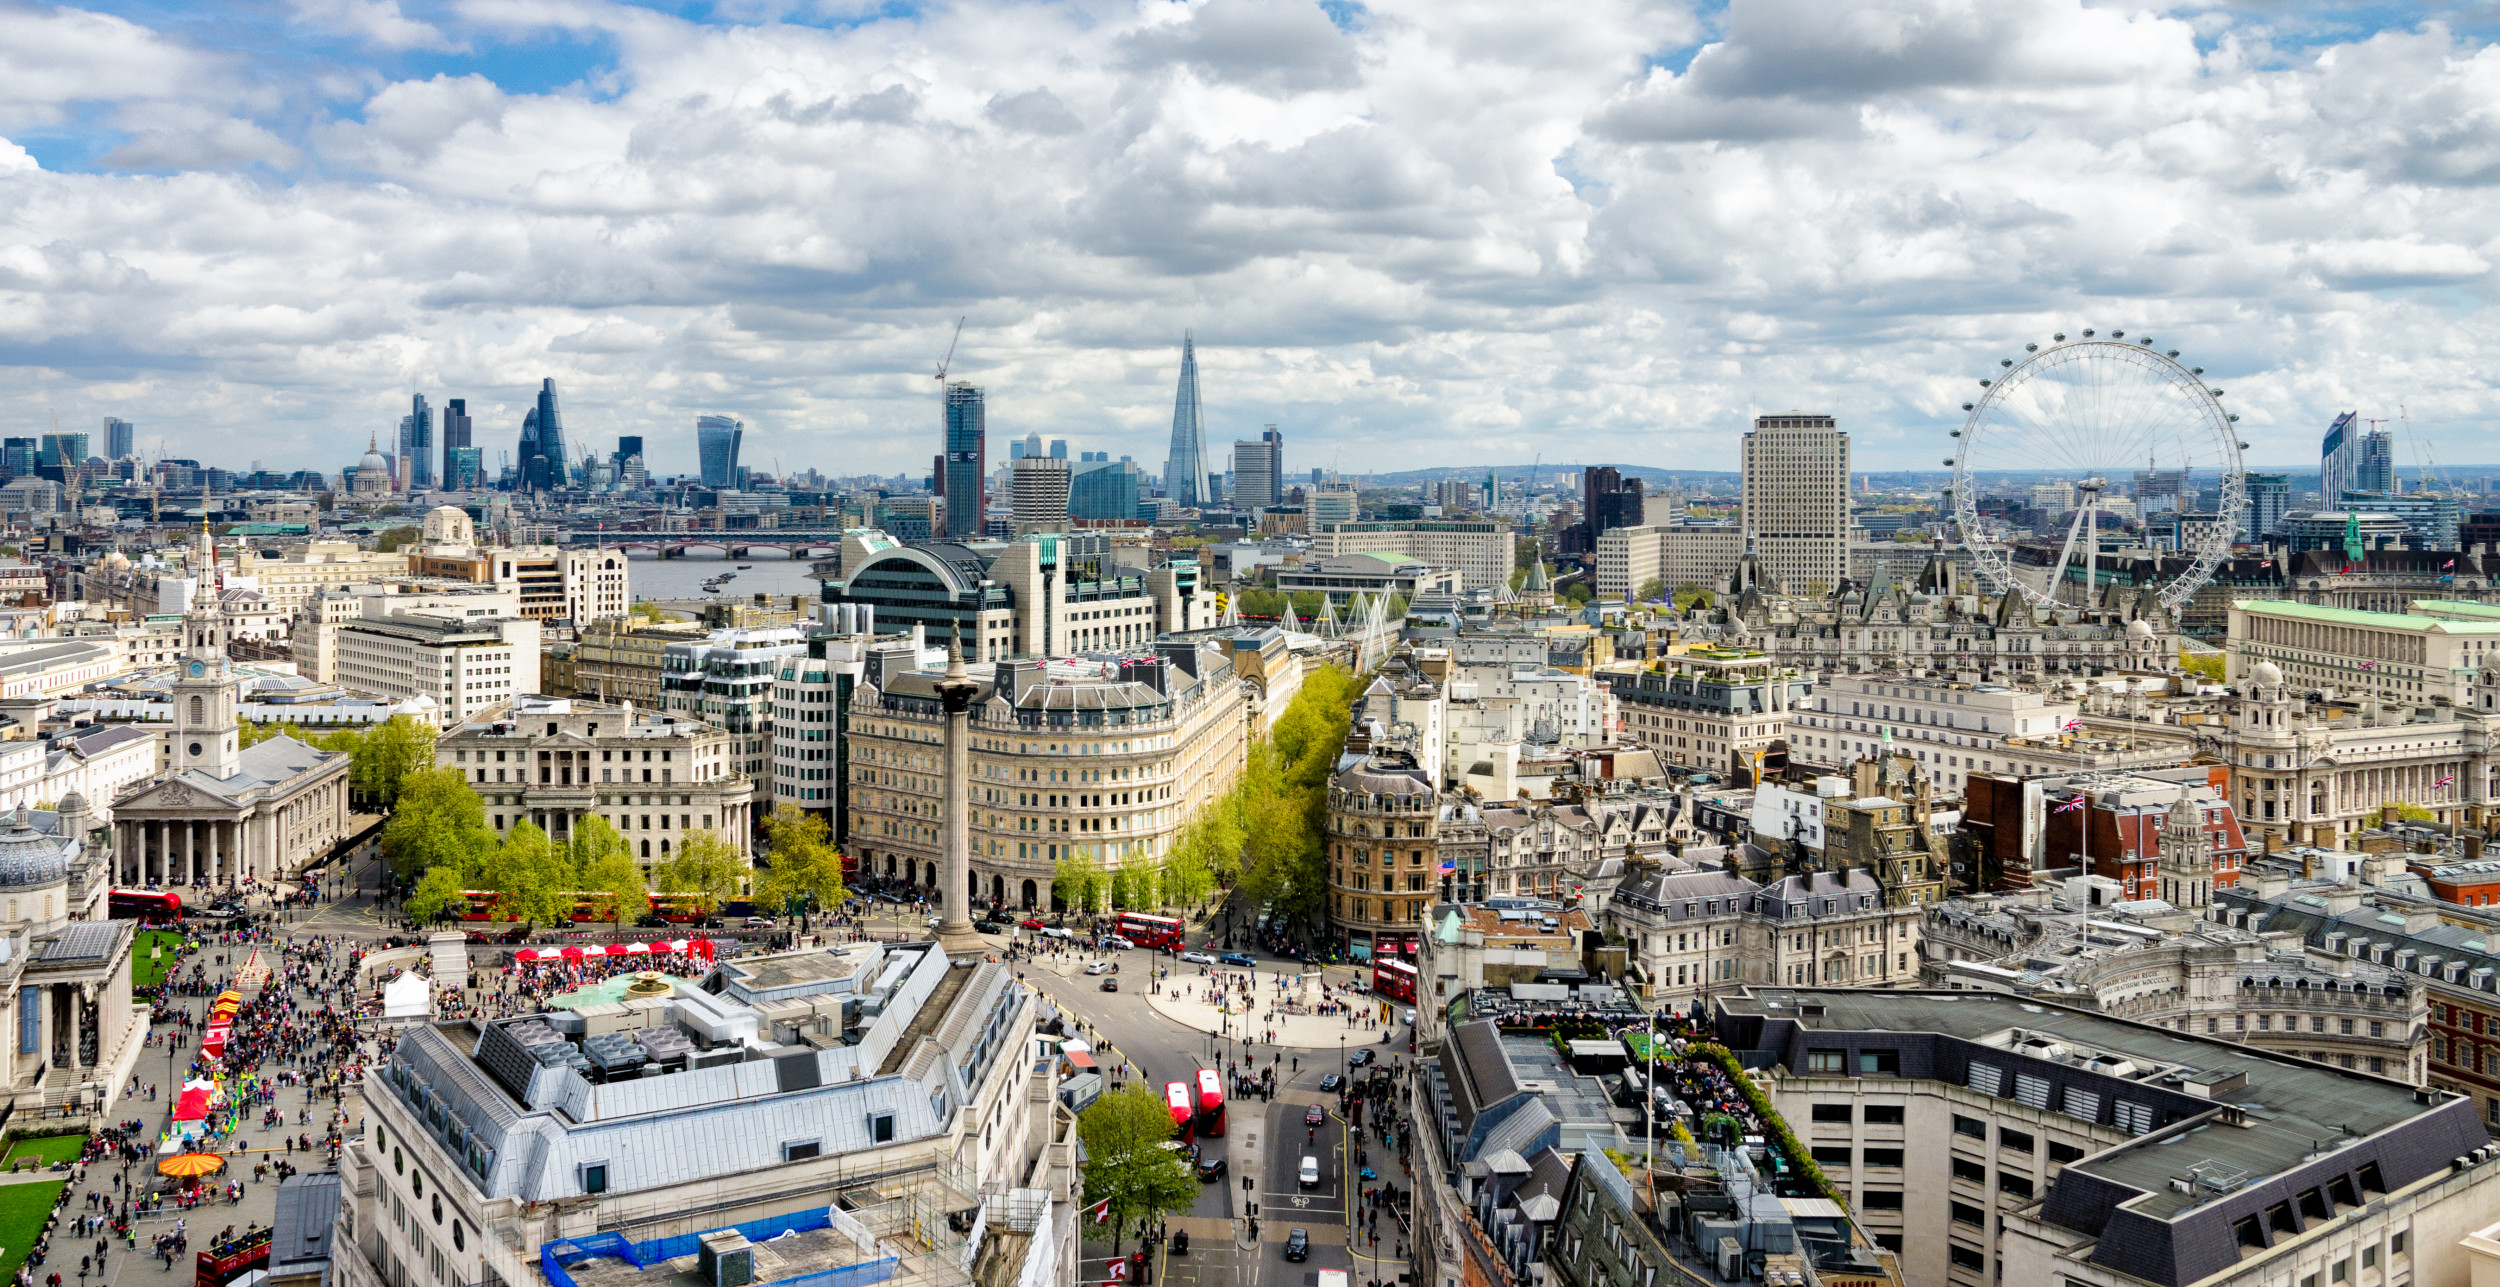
(704, 865)
(1080, 884)
(384, 754)
(532, 876)
(1279, 804)
(438, 822)
(603, 863)
(1653, 590)
(805, 863)
(438, 896)
(1127, 1165)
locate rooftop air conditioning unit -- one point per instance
(726, 1259)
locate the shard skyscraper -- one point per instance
(1185, 471)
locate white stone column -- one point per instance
(955, 932)
(70, 992)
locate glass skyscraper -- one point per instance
(416, 445)
(2269, 498)
(2375, 471)
(2338, 455)
(541, 458)
(716, 440)
(1185, 470)
(1105, 489)
(120, 438)
(455, 437)
(64, 457)
(966, 461)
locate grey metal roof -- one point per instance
(1484, 1076)
(81, 941)
(1667, 890)
(299, 1236)
(276, 762)
(1522, 1130)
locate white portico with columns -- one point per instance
(221, 814)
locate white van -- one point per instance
(1310, 1172)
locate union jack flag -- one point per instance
(2447, 565)
(2070, 806)
(2369, 665)
(2446, 781)
(2071, 725)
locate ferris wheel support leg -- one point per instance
(2057, 576)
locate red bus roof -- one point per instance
(1144, 919)
(1396, 967)
(1210, 1088)
(1177, 1096)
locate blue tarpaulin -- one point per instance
(557, 1256)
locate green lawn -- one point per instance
(145, 973)
(49, 1148)
(22, 1209)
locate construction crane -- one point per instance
(949, 359)
(2434, 479)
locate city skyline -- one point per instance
(1684, 220)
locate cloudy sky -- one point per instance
(1410, 232)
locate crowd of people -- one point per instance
(289, 1057)
(525, 987)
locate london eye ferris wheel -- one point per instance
(2098, 413)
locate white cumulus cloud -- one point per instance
(1461, 232)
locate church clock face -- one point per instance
(198, 669)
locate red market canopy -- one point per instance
(193, 1104)
(632, 949)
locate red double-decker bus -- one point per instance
(1210, 1104)
(1184, 1117)
(143, 905)
(1394, 979)
(480, 905)
(1151, 931)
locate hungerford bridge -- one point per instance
(800, 544)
